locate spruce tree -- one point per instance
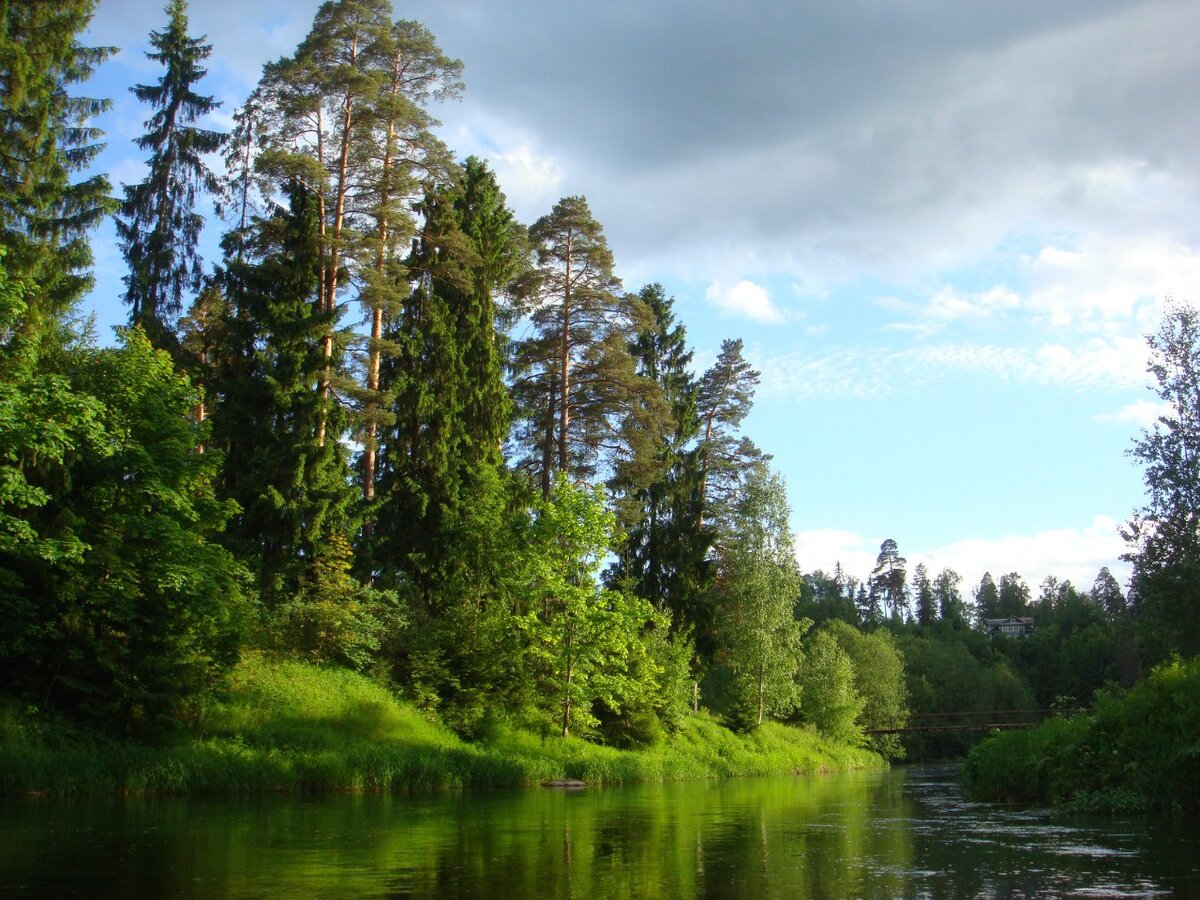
(442, 526)
(667, 545)
(158, 226)
(724, 398)
(44, 215)
(293, 492)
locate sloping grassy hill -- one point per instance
(288, 726)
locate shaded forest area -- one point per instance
(394, 430)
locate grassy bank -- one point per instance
(287, 726)
(1139, 751)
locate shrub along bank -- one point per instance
(290, 726)
(1138, 751)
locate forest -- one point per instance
(393, 431)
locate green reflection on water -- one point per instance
(874, 834)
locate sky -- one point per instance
(942, 228)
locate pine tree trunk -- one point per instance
(564, 387)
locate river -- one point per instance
(907, 832)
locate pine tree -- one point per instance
(44, 216)
(887, 582)
(577, 392)
(345, 115)
(158, 226)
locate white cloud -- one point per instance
(948, 305)
(825, 548)
(1114, 362)
(1109, 284)
(1076, 554)
(1117, 363)
(1143, 413)
(746, 299)
(529, 180)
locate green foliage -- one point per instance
(757, 588)
(140, 610)
(828, 699)
(956, 672)
(1164, 536)
(580, 401)
(879, 680)
(291, 726)
(293, 491)
(583, 644)
(724, 397)
(44, 215)
(1137, 751)
(887, 588)
(334, 619)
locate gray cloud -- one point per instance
(814, 137)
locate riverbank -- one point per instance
(291, 727)
(1138, 752)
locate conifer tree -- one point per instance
(443, 533)
(724, 398)
(158, 226)
(576, 387)
(44, 216)
(451, 409)
(293, 492)
(887, 584)
(345, 116)
(660, 353)
(923, 594)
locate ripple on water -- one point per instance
(1144, 889)
(1091, 850)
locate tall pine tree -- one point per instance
(576, 387)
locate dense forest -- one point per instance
(396, 431)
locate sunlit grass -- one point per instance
(289, 726)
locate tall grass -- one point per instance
(289, 726)
(1138, 751)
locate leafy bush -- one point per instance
(1139, 750)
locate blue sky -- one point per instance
(941, 228)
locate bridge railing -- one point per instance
(999, 720)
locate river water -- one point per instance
(907, 832)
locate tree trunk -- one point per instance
(564, 387)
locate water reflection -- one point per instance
(905, 833)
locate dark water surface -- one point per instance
(903, 833)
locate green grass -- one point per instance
(288, 726)
(1138, 751)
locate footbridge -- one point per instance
(991, 720)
